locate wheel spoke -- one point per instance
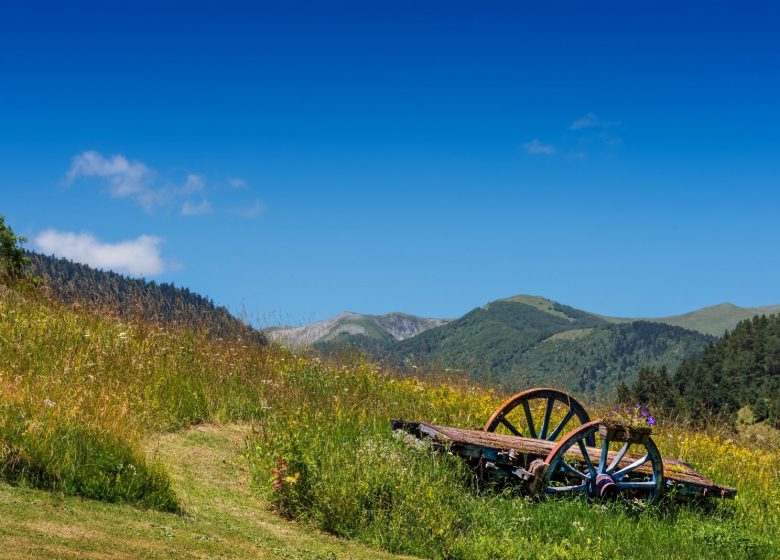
(546, 422)
(560, 489)
(624, 471)
(530, 420)
(616, 461)
(566, 466)
(559, 427)
(603, 458)
(510, 427)
(586, 457)
(630, 485)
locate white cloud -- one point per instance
(591, 120)
(138, 257)
(191, 209)
(126, 178)
(537, 147)
(193, 184)
(135, 181)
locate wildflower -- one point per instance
(634, 416)
(292, 479)
(49, 404)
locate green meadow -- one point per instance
(127, 438)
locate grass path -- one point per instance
(223, 518)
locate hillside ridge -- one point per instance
(524, 340)
(72, 282)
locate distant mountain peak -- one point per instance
(389, 326)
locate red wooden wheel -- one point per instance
(541, 413)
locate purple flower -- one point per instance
(650, 421)
(644, 412)
(617, 409)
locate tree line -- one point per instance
(130, 298)
(741, 369)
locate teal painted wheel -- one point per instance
(606, 471)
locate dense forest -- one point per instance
(136, 298)
(741, 369)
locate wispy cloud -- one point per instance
(138, 257)
(133, 180)
(192, 209)
(591, 120)
(194, 184)
(537, 147)
(125, 178)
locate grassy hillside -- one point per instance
(717, 319)
(82, 396)
(713, 320)
(137, 298)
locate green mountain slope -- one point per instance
(493, 337)
(597, 360)
(717, 319)
(529, 340)
(713, 320)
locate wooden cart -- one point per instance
(544, 440)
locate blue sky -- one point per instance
(298, 159)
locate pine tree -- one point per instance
(13, 260)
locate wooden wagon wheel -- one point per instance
(538, 411)
(576, 468)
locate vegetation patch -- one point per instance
(324, 455)
(78, 460)
(79, 393)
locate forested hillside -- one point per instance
(596, 361)
(130, 297)
(741, 371)
(526, 340)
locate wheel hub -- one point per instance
(603, 487)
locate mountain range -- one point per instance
(391, 326)
(526, 340)
(511, 343)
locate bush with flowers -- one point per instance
(632, 416)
